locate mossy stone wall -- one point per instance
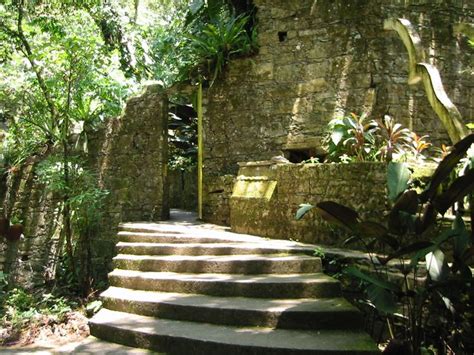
(129, 157)
(321, 59)
(266, 197)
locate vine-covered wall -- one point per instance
(322, 59)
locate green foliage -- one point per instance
(218, 42)
(83, 85)
(3, 284)
(356, 138)
(433, 307)
(21, 308)
(85, 205)
(398, 176)
(352, 137)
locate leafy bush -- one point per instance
(219, 41)
(351, 138)
(85, 203)
(356, 138)
(21, 308)
(437, 311)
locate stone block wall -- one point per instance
(217, 191)
(129, 157)
(266, 197)
(30, 260)
(322, 59)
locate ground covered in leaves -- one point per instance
(46, 330)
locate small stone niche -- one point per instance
(282, 36)
(301, 155)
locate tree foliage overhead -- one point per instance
(68, 65)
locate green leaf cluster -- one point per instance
(358, 138)
(412, 231)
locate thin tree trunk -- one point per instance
(137, 6)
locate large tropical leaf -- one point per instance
(382, 299)
(376, 230)
(398, 176)
(409, 249)
(447, 165)
(387, 285)
(407, 202)
(338, 214)
(436, 265)
(462, 240)
(462, 186)
(302, 210)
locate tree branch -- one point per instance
(30, 57)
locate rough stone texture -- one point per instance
(255, 210)
(129, 156)
(217, 191)
(30, 260)
(335, 58)
(262, 304)
(183, 189)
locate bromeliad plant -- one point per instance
(219, 41)
(352, 136)
(394, 138)
(356, 138)
(436, 310)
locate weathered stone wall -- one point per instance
(129, 156)
(217, 191)
(183, 189)
(321, 59)
(266, 197)
(30, 260)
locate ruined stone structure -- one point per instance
(129, 157)
(322, 59)
(316, 60)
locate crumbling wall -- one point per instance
(322, 59)
(129, 157)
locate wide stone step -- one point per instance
(315, 285)
(227, 264)
(208, 248)
(322, 313)
(164, 237)
(181, 337)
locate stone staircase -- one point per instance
(198, 289)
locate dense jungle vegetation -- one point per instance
(66, 66)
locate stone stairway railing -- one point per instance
(429, 75)
(198, 291)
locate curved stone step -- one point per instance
(163, 237)
(181, 337)
(226, 264)
(315, 285)
(208, 248)
(322, 313)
